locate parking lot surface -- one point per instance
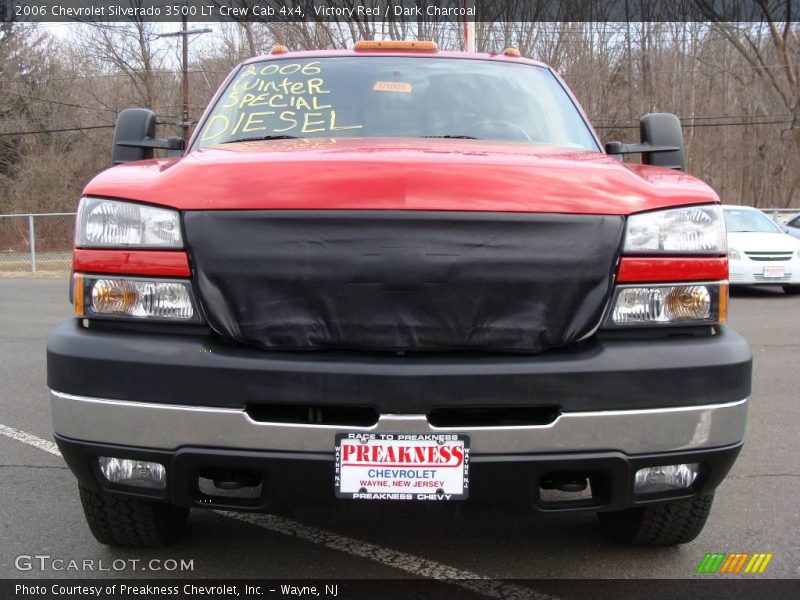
(756, 508)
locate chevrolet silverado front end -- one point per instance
(397, 274)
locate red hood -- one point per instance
(400, 174)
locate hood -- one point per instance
(400, 174)
(751, 241)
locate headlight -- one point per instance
(734, 254)
(134, 298)
(654, 305)
(113, 224)
(688, 230)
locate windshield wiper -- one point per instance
(262, 138)
(452, 137)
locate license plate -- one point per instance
(402, 466)
(771, 272)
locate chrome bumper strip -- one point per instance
(170, 426)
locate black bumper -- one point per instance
(292, 478)
(594, 375)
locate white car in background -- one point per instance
(792, 227)
(760, 252)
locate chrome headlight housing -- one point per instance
(103, 223)
(687, 230)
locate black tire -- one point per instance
(667, 524)
(118, 521)
(792, 289)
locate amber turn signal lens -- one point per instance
(688, 302)
(723, 302)
(114, 296)
(77, 295)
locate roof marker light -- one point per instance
(396, 45)
(279, 49)
(512, 52)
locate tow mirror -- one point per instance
(135, 137)
(661, 142)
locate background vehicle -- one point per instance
(373, 277)
(760, 252)
(792, 227)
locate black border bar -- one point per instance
(399, 11)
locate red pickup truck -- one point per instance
(394, 274)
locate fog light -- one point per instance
(138, 473)
(665, 478)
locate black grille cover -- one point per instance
(402, 280)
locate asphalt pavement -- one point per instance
(756, 508)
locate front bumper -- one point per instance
(295, 463)
(751, 272)
(187, 402)
(598, 374)
(289, 478)
(172, 426)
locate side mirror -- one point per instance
(134, 137)
(661, 142)
(664, 130)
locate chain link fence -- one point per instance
(36, 243)
(42, 243)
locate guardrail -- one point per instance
(36, 242)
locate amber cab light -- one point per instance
(396, 45)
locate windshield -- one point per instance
(750, 221)
(386, 96)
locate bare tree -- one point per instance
(734, 84)
(128, 49)
(770, 46)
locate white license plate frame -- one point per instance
(436, 473)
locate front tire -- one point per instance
(792, 289)
(667, 524)
(120, 521)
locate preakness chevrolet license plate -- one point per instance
(402, 466)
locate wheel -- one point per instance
(667, 524)
(118, 521)
(792, 289)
